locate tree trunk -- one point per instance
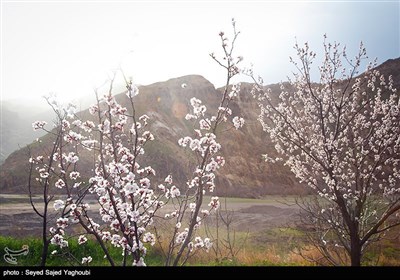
(355, 254)
(44, 252)
(45, 241)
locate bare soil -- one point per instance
(250, 215)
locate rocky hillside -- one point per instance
(245, 173)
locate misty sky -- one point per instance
(69, 48)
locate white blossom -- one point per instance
(38, 125)
(59, 204)
(86, 260)
(238, 122)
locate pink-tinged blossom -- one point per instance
(175, 192)
(77, 123)
(58, 240)
(74, 175)
(118, 126)
(149, 238)
(38, 125)
(207, 244)
(214, 203)
(71, 110)
(43, 173)
(88, 126)
(148, 136)
(225, 110)
(130, 188)
(184, 141)
(212, 165)
(180, 238)
(220, 160)
(130, 177)
(235, 90)
(238, 122)
(145, 183)
(65, 125)
(72, 137)
(60, 184)
(115, 225)
(144, 119)
(93, 109)
(39, 158)
(106, 236)
(135, 216)
(204, 124)
(89, 144)
(193, 183)
(198, 242)
(82, 239)
(62, 222)
(189, 117)
(200, 110)
(139, 263)
(195, 145)
(85, 206)
(132, 91)
(56, 157)
(168, 179)
(195, 102)
(105, 126)
(161, 187)
(149, 170)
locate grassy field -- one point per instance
(246, 256)
(273, 254)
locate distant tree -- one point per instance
(341, 137)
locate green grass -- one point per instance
(64, 258)
(288, 232)
(272, 254)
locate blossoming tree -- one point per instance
(206, 149)
(341, 137)
(128, 195)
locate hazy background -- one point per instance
(69, 48)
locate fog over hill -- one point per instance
(245, 173)
(16, 124)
